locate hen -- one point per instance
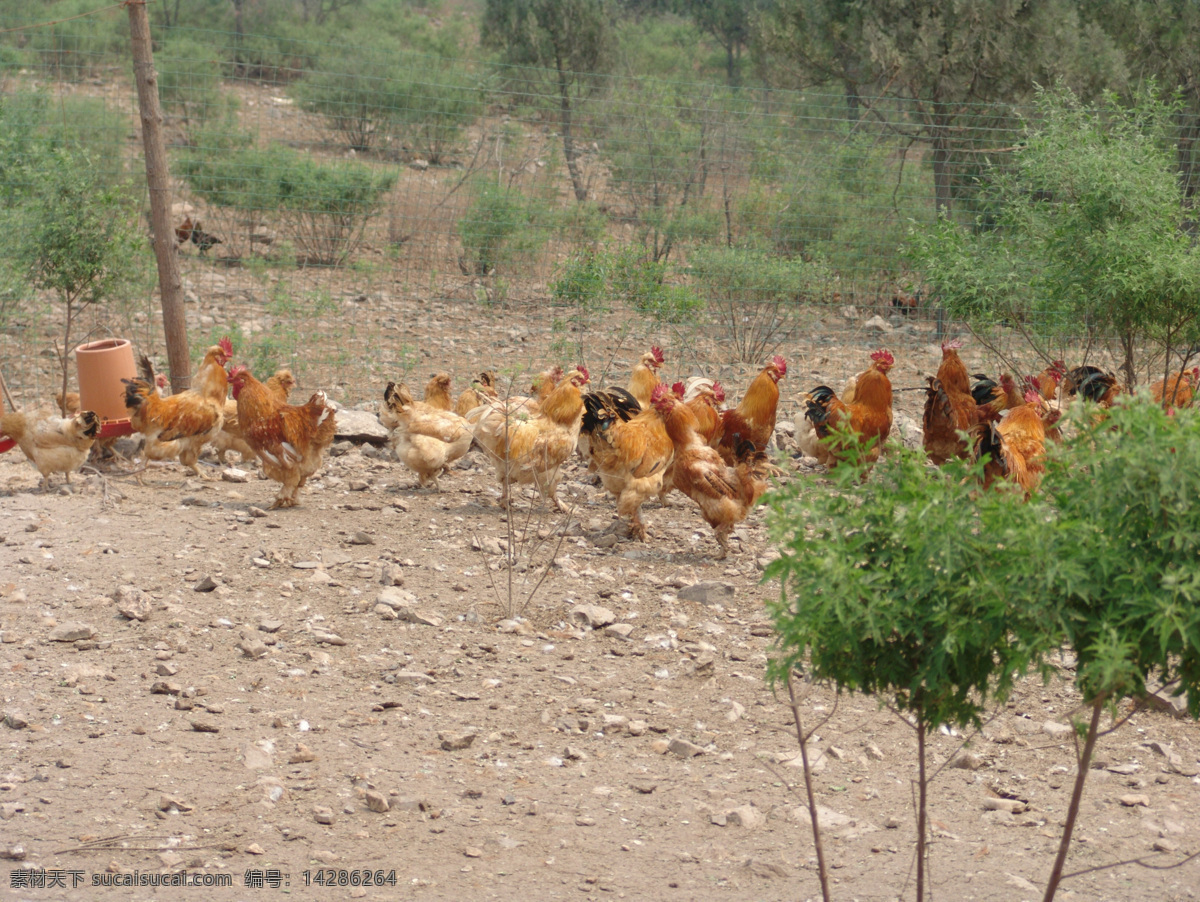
(644, 378)
(1050, 378)
(230, 438)
(949, 408)
(703, 397)
(1093, 383)
(483, 387)
(869, 417)
(531, 448)
(992, 398)
(52, 444)
(427, 439)
(1178, 389)
(1016, 445)
(725, 494)
(437, 392)
(189, 418)
(753, 419)
(290, 440)
(630, 450)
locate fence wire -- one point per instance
(362, 218)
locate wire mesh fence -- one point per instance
(361, 217)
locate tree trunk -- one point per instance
(941, 173)
(1082, 765)
(158, 181)
(922, 786)
(564, 94)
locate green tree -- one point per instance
(1085, 232)
(908, 587)
(570, 40)
(956, 66)
(728, 23)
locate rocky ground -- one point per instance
(191, 684)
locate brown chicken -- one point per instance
(545, 382)
(230, 438)
(869, 417)
(290, 440)
(1016, 445)
(437, 392)
(52, 444)
(993, 398)
(1050, 378)
(1178, 390)
(644, 378)
(1093, 383)
(484, 386)
(949, 408)
(426, 438)
(629, 448)
(753, 420)
(188, 419)
(183, 231)
(725, 494)
(703, 397)
(531, 448)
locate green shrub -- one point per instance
(79, 48)
(356, 94)
(756, 297)
(500, 227)
(189, 80)
(437, 103)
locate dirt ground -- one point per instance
(356, 654)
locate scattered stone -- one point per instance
(893, 823)
(328, 638)
(1133, 800)
(359, 427)
(258, 513)
(258, 755)
(967, 761)
(15, 721)
(207, 584)
(255, 849)
(252, 648)
(270, 626)
(420, 616)
(619, 630)
(132, 603)
(1057, 730)
(71, 632)
(584, 821)
(171, 803)
(302, 755)
(573, 753)
(361, 538)
(745, 816)
(1012, 806)
(644, 788)
(454, 742)
(708, 592)
(592, 616)
(878, 324)
(233, 474)
(638, 727)
(166, 668)
(323, 814)
(472, 852)
(396, 598)
(1164, 845)
(13, 853)
(683, 748)
(377, 802)
(165, 687)
(203, 726)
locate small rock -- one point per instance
(592, 615)
(1012, 806)
(255, 849)
(377, 801)
(638, 727)
(358, 485)
(258, 755)
(1164, 845)
(472, 852)
(878, 324)
(252, 648)
(270, 626)
(1053, 728)
(708, 592)
(745, 816)
(165, 687)
(893, 823)
(619, 630)
(1133, 800)
(9, 810)
(233, 474)
(166, 668)
(203, 726)
(132, 602)
(967, 761)
(584, 821)
(71, 632)
(323, 814)
(361, 538)
(13, 853)
(15, 721)
(328, 638)
(258, 513)
(684, 749)
(420, 616)
(207, 584)
(573, 753)
(169, 803)
(454, 742)
(360, 426)
(302, 755)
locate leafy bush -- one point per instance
(189, 80)
(755, 296)
(439, 101)
(500, 227)
(76, 48)
(356, 94)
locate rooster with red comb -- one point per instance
(753, 420)
(644, 378)
(868, 416)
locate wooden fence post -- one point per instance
(158, 180)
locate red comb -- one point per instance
(239, 370)
(583, 371)
(658, 354)
(780, 364)
(660, 391)
(678, 389)
(883, 355)
(226, 346)
(1032, 397)
(718, 392)
(952, 345)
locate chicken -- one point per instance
(189, 418)
(437, 392)
(644, 378)
(629, 449)
(183, 231)
(545, 382)
(907, 303)
(949, 408)
(1178, 389)
(850, 393)
(68, 405)
(427, 439)
(1050, 378)
(725, 494)
(290, 440)
(484, 386)
(753, 420)
(157, 450)
(52, 444)
(992, 398)
(203, 240)
(1093, 383)
(703, 397)
(1016, 445)
(532, 447)
(230, 438)
(869, 417)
